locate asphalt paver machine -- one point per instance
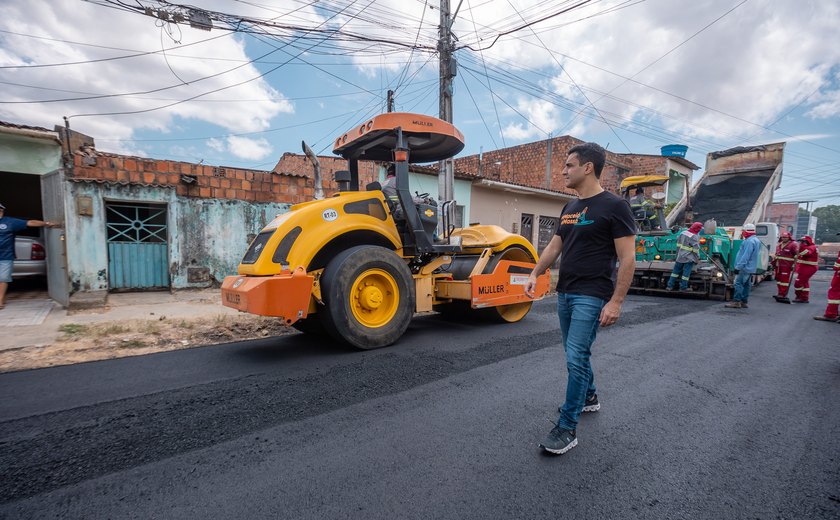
(358, 266)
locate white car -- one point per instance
(30, 258)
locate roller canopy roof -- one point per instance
(428, 138)
(644, 180)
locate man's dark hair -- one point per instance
(639, 191)
(391, 170)
(590, 152)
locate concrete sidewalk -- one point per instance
(36, 322)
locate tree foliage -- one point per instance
(828, 224)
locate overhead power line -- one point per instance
(676, 96)
(134, 54)
(211, 91)
(657, 60)
(180, 13)
(577, 86)
(527, 24)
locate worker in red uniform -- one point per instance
(807, 263)
(832, 310)
(783, 264)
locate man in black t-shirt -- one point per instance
(595, 231)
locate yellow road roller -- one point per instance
(357, 266)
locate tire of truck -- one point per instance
(368, 294)
(502, 313)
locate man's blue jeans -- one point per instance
(579, 319)
(681, 273)
(742, 287)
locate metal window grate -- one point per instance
(136, 223)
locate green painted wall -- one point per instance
(202, 233)
(423, 183)
(20, 154)
(676, 186)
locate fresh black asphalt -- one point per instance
(707, 413)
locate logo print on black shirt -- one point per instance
(576, 219)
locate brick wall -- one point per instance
(290, 182)
(207, 181)
(647, 164)
(525, 164)
(297, 164)
(783, 214)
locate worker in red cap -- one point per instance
(832, 310)
(688, 254)
(807, 263)
(783, 263)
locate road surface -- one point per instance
(706, 412)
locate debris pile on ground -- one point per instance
(93, 342)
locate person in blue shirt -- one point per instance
(745, 265)
(9, 227)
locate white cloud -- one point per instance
(808, 137)
(216, 144)
(241, 147)
(542, 116)
(752, 66)
(204, 67)
(827, 103)
(247, 148)
(755, 64)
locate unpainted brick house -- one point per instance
(521, 187)
(786, 215)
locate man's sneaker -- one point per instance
(733, 305)
(590, 405)
(825, 318)
(559, 441)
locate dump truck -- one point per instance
(357, 266)
(828, 254)
(736, 188)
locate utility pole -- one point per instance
(390, 101)
(448, 70)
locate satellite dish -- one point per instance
(658, 195)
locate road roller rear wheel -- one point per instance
(515, 311)
(503, 313)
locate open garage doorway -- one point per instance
(21, 194)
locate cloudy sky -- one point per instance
(633, 75)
